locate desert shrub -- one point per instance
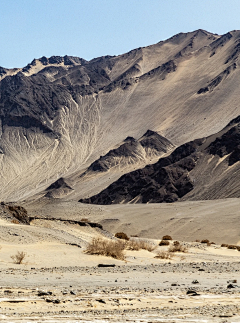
(121, 235)
(15, 221)
(197, 240)
(205, 241)
(176, 243)
(163, 255)
(18, 258)
(224, 245)
(177, 248)
(133, 245)
(139, 244)
(164, 243)
(166, 237)
(232, 246)
(106, 247)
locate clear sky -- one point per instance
(91, 28)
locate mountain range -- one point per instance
(157, 124)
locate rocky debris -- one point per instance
(43, 293)
(14, 213)
(192, 293)
(231, 286)
(81, 223)
(54, 301)
(100, 300)
(106, 265)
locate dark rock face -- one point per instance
(15, 213)
(228, 144)
(165, 181)
(170, 178)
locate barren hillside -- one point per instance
(59, 115)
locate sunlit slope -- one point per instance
(60, 114)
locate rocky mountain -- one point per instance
(206, 168)
(59, 115)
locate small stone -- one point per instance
(230, 286)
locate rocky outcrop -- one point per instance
(173, 178)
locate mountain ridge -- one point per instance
(57, 119)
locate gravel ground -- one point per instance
(153, 293)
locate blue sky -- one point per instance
(91, 28)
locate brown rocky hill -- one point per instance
(60, 114)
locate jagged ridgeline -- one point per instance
(72, 128)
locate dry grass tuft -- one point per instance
(105, 247)
(163, 255)
(18, 258)
(177, 247)
(15, 221)
(140, 244)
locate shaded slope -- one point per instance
(207, 168)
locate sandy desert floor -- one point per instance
(59, 282)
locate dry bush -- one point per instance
(167, 237)
(15, 221)
(104, 247)
(163, 255)
(139, 244)
(121, 235)
(205, 241)
(164, 243)
(133, 245)
(224, 245)
(18, 258)
(176, 243)
(232, 246)
(177, 248)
